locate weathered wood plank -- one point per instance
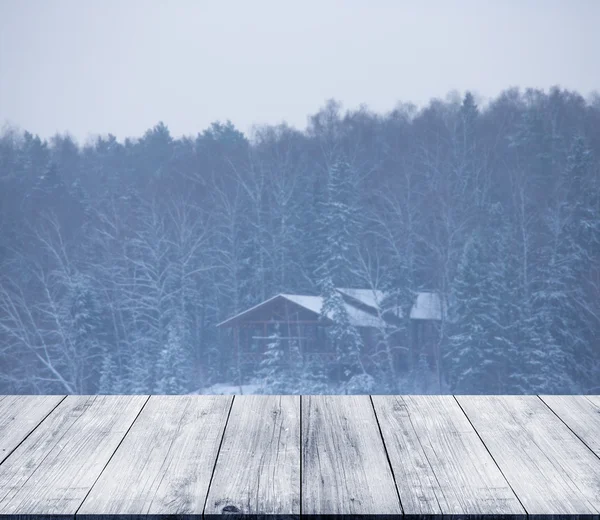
(164, 464)
(344, 465)
(549, 468)
(439, 462)
(20, 415)
(594, 399)
(258, 467)
(51, 472)
(580, 414)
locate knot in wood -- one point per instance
(230, 510)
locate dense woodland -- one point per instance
(117, 259)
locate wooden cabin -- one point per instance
(298, 319)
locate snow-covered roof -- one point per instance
(370, 297)
(248, 311)
(312, 303)
(427, 307)
(358, 317)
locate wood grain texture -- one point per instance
(439, 462)
(20, 415)
(580, 414)
(344, 465)
(188, 456)
(258, 467)
(51, 472)
(594, 399)
(164, 465)
(549, 468)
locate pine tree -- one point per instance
(314, 380)
(110, 379)
(560, 331)
(360, 384)
(340, 227)
(173, 364)
(502, 324)
(341, 334)
(395, 339)
(466, 159)
(481, 351)
(272, 369)
(85, 326)
(507, 335)
(138, 378)
(582, 237)
(466, 353)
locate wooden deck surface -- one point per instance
(292, 456)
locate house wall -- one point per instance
(423, 336)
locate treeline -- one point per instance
(119, 258)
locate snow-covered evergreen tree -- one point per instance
(481, 353)
(85, 322)
(272, 372)
(582, 184)
(559, 321)
(467, 354)
(141, 367)
(110, 378)
(340, 226)
(314, 380)
(359, 384)
(173, 364)
(341, 333)
(507, 334)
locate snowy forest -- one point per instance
(118, 258)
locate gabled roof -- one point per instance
(358, 317)
(362, 306)
(247, 311)
(312, 303)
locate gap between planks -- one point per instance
(546, 400)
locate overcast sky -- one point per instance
(98, 66)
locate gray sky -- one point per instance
(97, 66)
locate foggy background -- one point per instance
(119, 67)
(165, 166)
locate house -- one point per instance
(299, 319)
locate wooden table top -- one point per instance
(295, 455)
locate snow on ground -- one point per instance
(225, 389)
